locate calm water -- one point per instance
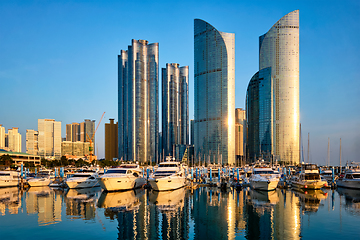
(204, 213)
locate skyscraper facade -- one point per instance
(138, 96)
(175, 107)
(273, 94)
(214, 87)
(14, 139)
(240, 135)
(49, 140)
(111, 140)
(2, 137)
(32, 141)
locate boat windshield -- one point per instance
(112, 171)
(312, 177)
(81, 175)
(164, 173)
(263, 172)
(356, 176)
(168, 165)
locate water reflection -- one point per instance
(203, 213)
(9, 199)
(310, 200)
(81, 203)
(45, 203)
(352, 200)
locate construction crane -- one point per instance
(91, 148)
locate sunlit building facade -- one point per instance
(138, 96)
(175, 107)
(272, 99)
(13, 139)
(49, 140)
(240, 135)
(214, 87)
(32, 137)
(2, 137)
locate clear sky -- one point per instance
(58, 59)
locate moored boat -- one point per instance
(168, 176)
(264, 178)
(9, 178)
(308, 178)
(350, 179)
(83, 179)
(124, 177)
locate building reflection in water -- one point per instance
(44, 202)
(9, 199)
(81, 203)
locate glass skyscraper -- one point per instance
(214, 87)
(175, 107)
(272, 99)
(138, 101)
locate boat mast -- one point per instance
(328, 153)
(308, 148)
(340, 155)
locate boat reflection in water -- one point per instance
(310, 200)
(115, 202)
(81, 203)
(352, 200)
(9, 199)
(169, 201)
(263, 199)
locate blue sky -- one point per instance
(58, 59)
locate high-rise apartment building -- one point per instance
(73, 132)
(32, 137)
(175, 107)
(240, 135)
(2, 137)
(272, 101)
(138, 107)
(49, 140)
(111, 140)
(13, 139)
(214, 86)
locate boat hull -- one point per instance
(9, 183)
(36, 182)
(167, 183)
(121, 183)
(348, 183)
(268, 185)
(309, 185)
(82, 183)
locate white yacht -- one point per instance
(308, 178)
(43, 178)
(83, 179)
(9, 178)
(264, 178)
(124, 177)
(351, 179)
(168, 176)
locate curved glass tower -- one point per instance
(138, 101)
(273, 94)
(214, 75)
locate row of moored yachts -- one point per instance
(172, 175)
(168, 176)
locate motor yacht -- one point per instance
(124, 177)
(168, 176)
(43, 178)
(351, 179)
(264, 178)
(83, 179)
(308, 178)
(9, 178)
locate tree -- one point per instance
(6, 160)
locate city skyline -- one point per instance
(43, 55)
